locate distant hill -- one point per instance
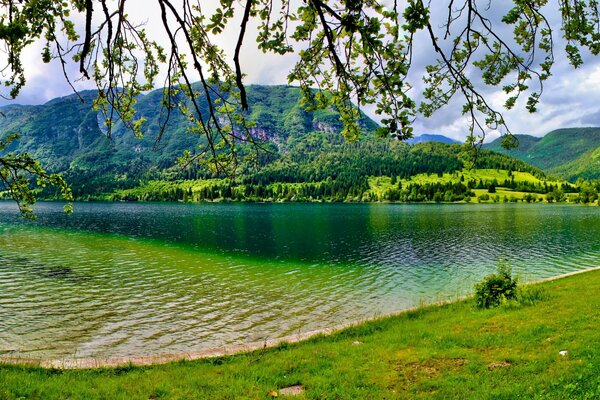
(526, 142)
(427, 137)
(569, 153)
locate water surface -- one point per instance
(130, 279)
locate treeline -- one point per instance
(319, 156)
(305, 163)
(219, 190)
(350, 162)
(328, 190)
(541, 187)
(357, 189)
(316, 166)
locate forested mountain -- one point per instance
(586, 166)
(322, 167)
(569, 153)
(67, 136)
(66, 133)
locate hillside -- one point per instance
(568, 153)
(307, 158)
(526, 142)
(66, 133)
(587, 167)
(321, 169)
(67, 136)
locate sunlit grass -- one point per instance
(478, 174)
(504, 195)
(378, 186)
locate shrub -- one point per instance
(484, 197)
(496, 288)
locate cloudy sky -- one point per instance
(571, 97)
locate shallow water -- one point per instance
(129, 279)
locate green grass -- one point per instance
(478, 174)
(378, 186)
(453, 351)
(504, 192)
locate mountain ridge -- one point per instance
(569, 153)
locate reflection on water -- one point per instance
(124, 279)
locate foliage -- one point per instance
(349, 184)
(496, 288)
(16, 171)
(556, 195)
(483, 197)
(346, 181)
(588, 191)
(348, 50)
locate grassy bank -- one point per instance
(449, 351)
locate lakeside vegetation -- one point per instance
(319, 166)
(447, 351)
(316, 166)
(477, 185)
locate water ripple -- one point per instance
(117, 280)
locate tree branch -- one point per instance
(236, 57)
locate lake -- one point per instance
(139, 279)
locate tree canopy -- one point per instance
(350, 54)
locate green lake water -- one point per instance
(135, 279)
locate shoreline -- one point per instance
(157, 359)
